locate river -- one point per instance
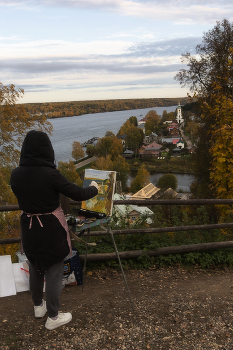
(184, 180)
(83, 127)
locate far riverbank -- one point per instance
(183, 165)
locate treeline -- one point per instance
(74, 108)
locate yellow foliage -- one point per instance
(69, 171)
(77, 150)
(141, 180)
(9, 228)
(15, 122)
(221, 171)
(109, 145)
(104, 163)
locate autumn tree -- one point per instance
(122, 169)
(68, 170)
(119, 165)
(152, 121)
(165, 116)
(125, 127)
(90, 150)
(192, 128)
(134, 138)
(6, 194)
(15, 122)
(168, 181)
(221, 137)
(104, 163)
(209, 75)
(109, 133)
(133, 120)
(141, 180)
(109, 145)
(77, 151)
(9, 228)
(210, 64)
(134, 135)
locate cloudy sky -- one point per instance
(69, 50)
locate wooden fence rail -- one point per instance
(146, 202)
(160, 251)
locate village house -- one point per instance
(169, 194)
(153, 137)
(176, 151)
(180, 144)
(169, 140)
(128, 153)
(142, 121)
(192, 149)
(142, 126)
(173, 125)
(174, 141)
(174, 132)
(122, 138)
(152, 150)
(131, 212)
(150, 191)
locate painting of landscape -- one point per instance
(104, 200)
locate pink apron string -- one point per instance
(37, 215)
(60, 216)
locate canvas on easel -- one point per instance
(103, 201)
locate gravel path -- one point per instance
(186, 138)
(174, 309)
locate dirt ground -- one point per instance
(174, 308)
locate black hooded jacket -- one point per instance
(37, 184)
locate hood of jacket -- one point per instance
(37, 149)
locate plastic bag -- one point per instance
(72, 274)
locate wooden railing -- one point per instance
(160, 251)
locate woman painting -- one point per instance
(45, 237)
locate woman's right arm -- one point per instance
(72, 190)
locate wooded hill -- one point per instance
(74, 108)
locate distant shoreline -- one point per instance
(54, 110)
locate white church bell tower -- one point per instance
(179, 117)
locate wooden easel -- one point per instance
(75, 230)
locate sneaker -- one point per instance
(62, 319)
(40, 310)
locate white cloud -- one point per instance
(177, 11)
(44, 67)
(139, 33)
(124, 57)
(39, 48)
